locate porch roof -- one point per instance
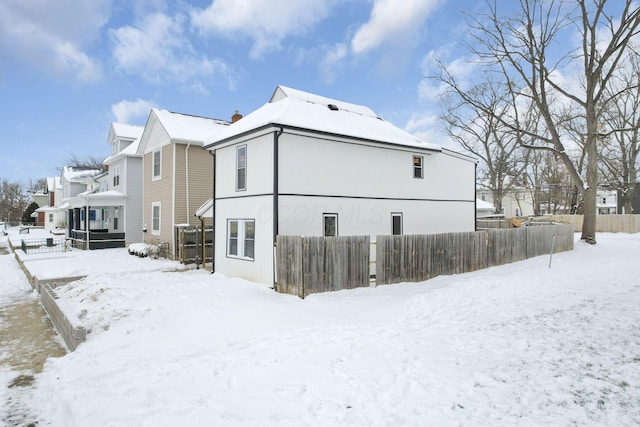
(103, 198)
(206, 210)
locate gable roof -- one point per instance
(184, 127)
(122, 130)
(297, 109)
(180, 127)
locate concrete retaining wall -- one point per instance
(72, 333)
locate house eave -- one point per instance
(275, 125)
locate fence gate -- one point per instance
(193, 245)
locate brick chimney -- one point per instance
(236, 116)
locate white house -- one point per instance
(307, 165)
(606, 202)
(516, 202)
(125, 181)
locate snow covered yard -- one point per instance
(519, 344)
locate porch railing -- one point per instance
(96, 240)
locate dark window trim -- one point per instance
(326, 215)
(397, 214)
(416, 168)
(238, 148)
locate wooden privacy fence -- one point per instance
(309, 265)
(193, 246)
(414, 258)
(604, 223)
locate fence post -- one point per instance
(553, 244)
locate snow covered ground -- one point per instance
(519, 344)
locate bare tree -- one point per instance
(88, 162)
(13, 200)
(502, 159)
(621, 150)
(529, 53)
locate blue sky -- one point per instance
(68, 68)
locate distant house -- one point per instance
(307, 165)
(177, 176)
(48, 215)
(124, 182)
(81, 215)
(606, 202)
(516, 202)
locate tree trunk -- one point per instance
(590, 214)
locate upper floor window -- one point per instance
(418, 171)
(157, 162)
(241, 168)
(116, 176)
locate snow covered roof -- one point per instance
(131, 150)
(122, 130)
(74, 174)
(295, 108)
(184, 127)
(482, 205)
(53, 182)
(206, 210)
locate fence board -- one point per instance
(308, 265)
(415, 258)
(604, 223)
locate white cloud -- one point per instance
(131, 111)
(158, 50)
(393, 22)
(428, 127)
(267, 23)
(52, 36)
(330, 64)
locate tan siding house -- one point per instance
(177, 172)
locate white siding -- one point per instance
(259, 168)
(323, 167)
(302, 215)
(257, 208)
(132, 217)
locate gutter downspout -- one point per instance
(213, 214)
(475, 197)
(186, 165)
(276, 219)
(173, 206)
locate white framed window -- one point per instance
(155, 218)
(156, 165)
(396, 223)
(330, 224)
(116, 176)
(241, 168)
(241, 235)
(51, 217)
(418, 169)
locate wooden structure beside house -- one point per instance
(177, 176)
(307, 165)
